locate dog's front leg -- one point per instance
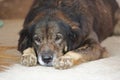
(29, 57)
(80, 55)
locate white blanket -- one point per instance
(103, 69)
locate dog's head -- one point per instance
(50, 39)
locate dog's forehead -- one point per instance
(47, 27)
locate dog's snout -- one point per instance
(47, 58)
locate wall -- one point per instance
(12, 9)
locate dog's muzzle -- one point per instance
(46, 59)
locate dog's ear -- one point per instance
(26, 38)
(71, 40)
(75, 37)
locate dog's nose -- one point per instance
(47, 58)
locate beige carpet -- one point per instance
(103, 69)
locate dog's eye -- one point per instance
(37, 40)
(58, 38)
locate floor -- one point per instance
(8, 43)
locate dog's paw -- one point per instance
(63, 63)
(28, 60)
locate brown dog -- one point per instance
(64, 33)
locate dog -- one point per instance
(65, 33)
